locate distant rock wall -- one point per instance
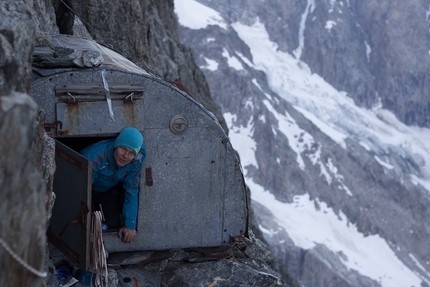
(356, 46)
(384, 202)
(389, 61)
(397, 33)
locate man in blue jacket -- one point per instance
(116, 167)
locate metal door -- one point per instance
(69, 229)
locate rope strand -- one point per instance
(98, 254)
(21, 261)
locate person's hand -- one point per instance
(127, 234)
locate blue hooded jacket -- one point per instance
(106, 174)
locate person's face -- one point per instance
(123, 155)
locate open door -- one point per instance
(70, 224)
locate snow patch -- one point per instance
(187, 16)
(332, 2)
(233, 62)
(368, 50)
(383, 163)
(241, 136)
(428, 17)
(299, 140)
(376, 129)
(245, 60)
(310, 6)
(254, 81)
(334, 134)
(307, 226)
(211, 65)
(340, 178)
(268, 232)
(262, 118)
(330, 24)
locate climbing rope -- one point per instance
(71, 10)
(20, 260)
(98, 253)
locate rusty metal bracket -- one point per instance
(148, 173)
(48, 127)
(81, 219)
(71, 100)
(239, 242)
(129, 99)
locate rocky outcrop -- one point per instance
(22, 208)
(43, 16)
(15, 51)
(226, 266)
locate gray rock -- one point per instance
(79, 29)
(22, 209)
(128, 258)
(43, 154)
(222, 273)
(16, 45)
(320, 264)
(88, 59)
(134, 276)
(113, 280)
(43, 16)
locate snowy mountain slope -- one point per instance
(341, 192)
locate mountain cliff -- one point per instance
(374, 51)
(326, 103)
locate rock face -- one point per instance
(15, 68)
(391, 58)
(375, 51)
(22, 228)
(358, 47)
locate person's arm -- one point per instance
(131, 197)
(131, 204)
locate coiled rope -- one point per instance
(20, 260)
(98, 254)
